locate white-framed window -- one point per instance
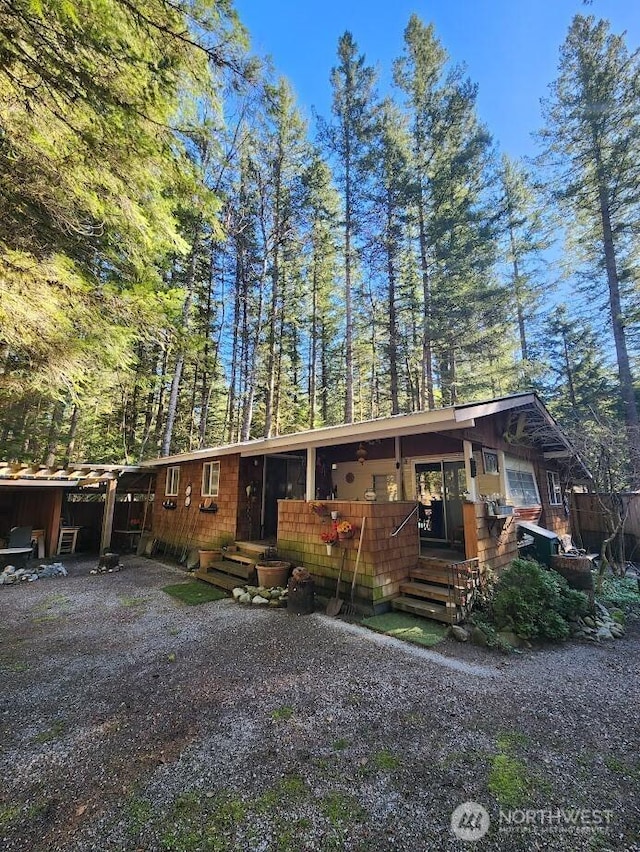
(210, 479)
(522, 487)
(172, 483)
(490, 461)
(554, 488)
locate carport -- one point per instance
(96, 499)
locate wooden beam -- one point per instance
(107, 516)
(53, 523)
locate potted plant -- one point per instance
(344, 530)
(330, 537)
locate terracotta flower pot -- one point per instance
(208, 557)
(273, 573)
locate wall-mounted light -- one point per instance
(361, 453)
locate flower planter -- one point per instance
(343, 536)
(334, 516)
(208, 558)
(273, 573)
(329, 549)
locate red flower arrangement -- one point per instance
(329, 537)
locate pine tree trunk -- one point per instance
(619, 335)
(349, 371)
(393, 317)
(427, 399)
(313, 355)
(518, 297)
(71, 437)
(172, 406)
(275, 307)
(54, 431)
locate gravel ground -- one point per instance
(129, 721)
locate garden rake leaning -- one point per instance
(350, 609)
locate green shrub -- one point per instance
(534, 602)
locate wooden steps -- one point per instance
(431, 591)
(219, 579)
(435, 611)
(441, 590)
(234, 569)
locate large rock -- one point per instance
(479, 637)
(459, 633)
(510, 638)
(604, 633)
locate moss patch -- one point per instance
(410, 628)
(194, 593)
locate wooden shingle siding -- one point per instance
(188, 526)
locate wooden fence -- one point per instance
(590, 523)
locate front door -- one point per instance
(285, 478)
(440, 486)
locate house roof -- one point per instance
(528, 421)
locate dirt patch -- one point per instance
(130, 721)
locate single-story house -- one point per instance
(434, 498)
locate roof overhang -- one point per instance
(415, 423)
(526, 411)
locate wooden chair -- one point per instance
(67, 539)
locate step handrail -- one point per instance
(405, 522)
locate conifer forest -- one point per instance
(187, 260)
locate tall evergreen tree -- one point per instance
(592, 139)
(525, 242)
(347, 141)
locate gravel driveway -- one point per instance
(130, 721)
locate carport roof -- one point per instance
(71, 476)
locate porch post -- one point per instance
(107, 517)
(311, 473)
(399, 482)
(471, 481)
(502, 471)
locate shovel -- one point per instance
(335, 604)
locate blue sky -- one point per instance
(510, 47)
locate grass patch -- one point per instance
(341, 809)
(55, 731)
(206, 823)
(284, 713)
(508, 780)
(133, 602)
(43, 619)
(409, 628)
(509, 740)
(386, 761)
(194, 593)
(12, 665)
(8, 814)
